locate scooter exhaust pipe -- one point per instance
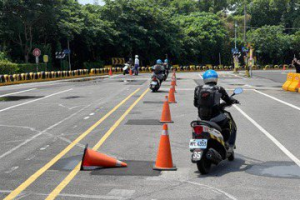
(213, 156)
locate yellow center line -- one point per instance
(74, 172)
(42, 170)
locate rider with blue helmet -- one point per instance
(207, 99)
(159, 69)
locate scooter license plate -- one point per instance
(196, 156)
(198, 143)
(153, 83)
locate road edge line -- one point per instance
(276, 99)
(271, 137)
(42, 170)
(74, 172)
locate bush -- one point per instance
(90, 65)
(7, 67)
(26, 68)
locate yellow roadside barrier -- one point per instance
(289, 80)
(293, 87)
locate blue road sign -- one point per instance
(67, 51)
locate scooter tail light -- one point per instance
(154, 79)
(198, 130)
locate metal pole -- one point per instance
(235, 25)
(220, 59)
(245, 20)
(70, 68)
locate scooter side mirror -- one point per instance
(238, 91)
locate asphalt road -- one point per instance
(44, 128)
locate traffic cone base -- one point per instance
(164, 160)
(93, 160)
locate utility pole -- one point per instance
(70, 67)
(235, 26)
(245, 21)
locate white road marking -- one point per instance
(80, 196)
(200, 75)
(5, 95)
(40, 133)
(272, 138)
(28, 102)
(30, 157)
(70, 108)
(121, 193)
(86, 118)
(44, 148)
(12, 169)
(213, 189)
(274, 98)
(92, 114)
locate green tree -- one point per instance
(271, 43)
(204, 37)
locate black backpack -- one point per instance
(208, 100)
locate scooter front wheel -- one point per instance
(204, 165)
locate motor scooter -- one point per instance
(207, 144)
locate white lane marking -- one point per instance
(70, 108)
(4, 95)
(274, 98)
(80, 196)
(92, 114)
(28, 102)
(121, 193)
(30, 157)
(40, 133)
(12, 169)
(272, 138)
(213, 189)
(86, 118)
(200, 75)
(44, 148)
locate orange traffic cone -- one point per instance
(110, 72)
(172, 95)
(173, 83)
(164, 156)
(166, 113)
(92, 160)
(130, 72)
(283, 67)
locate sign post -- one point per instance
(46, 60)
(36, 52)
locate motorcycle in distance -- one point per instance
(126, 69)
(155, 83)
(208, 146)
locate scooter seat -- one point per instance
(211, 124)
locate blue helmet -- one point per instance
(210, 76)
(159, 62)
(166, 61)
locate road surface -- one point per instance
(45, 127)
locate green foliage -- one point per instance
(189, 31)
(271, 43)
(90, 65)
(203, 37)
(7, 67)
(26, 68)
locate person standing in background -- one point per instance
(296, 63)
(136, 65)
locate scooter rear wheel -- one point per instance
(204, 165)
